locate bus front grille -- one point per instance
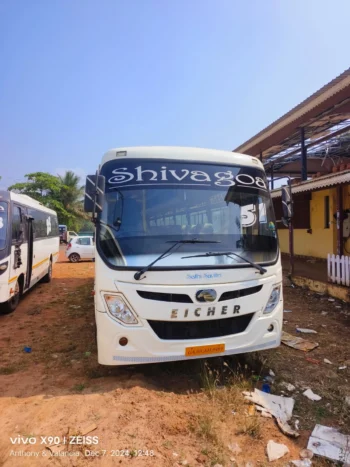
(239, 293)
(182, 330)
(165, 297)
(183, 298)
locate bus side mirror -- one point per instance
(287, 204)
(94, 193)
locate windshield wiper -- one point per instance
(229, 253)
(139, 273)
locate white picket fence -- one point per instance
(338, 269)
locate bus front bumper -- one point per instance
(144, 346)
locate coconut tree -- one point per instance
(71, 196)
(71, 192)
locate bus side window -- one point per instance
(54, 227)
(17, 226)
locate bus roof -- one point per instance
(182, 153)
(24, 200)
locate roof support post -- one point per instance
(291, 236)
(260, 156)
(340, 218)
(272, 184)
(303, 154)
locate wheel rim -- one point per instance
(15, 298)
(74, 258)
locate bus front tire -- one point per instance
(47, 278)
(11, 305)
(74, 258)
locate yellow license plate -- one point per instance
(204, 350)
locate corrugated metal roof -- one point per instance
(317, 183)
(327, 91)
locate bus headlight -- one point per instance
(273, 300)
(120, 310)
(3, 267)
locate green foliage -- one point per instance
(71, 193)
(63, 194)
(40, 185)
(87, 226)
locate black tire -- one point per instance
(74, 258)
(11, 305)
(47, 278)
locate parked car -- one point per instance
(80, 248)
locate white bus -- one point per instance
(187, 257)
(29, 245)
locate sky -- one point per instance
(78, 77)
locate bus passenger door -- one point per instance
(19, 244)
(30, 235)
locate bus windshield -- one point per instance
(3, 224)
(151, 203)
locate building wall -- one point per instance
(322, 240)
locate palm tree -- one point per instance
(71, 194)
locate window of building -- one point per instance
(326, 212)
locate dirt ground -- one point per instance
(183, 413)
